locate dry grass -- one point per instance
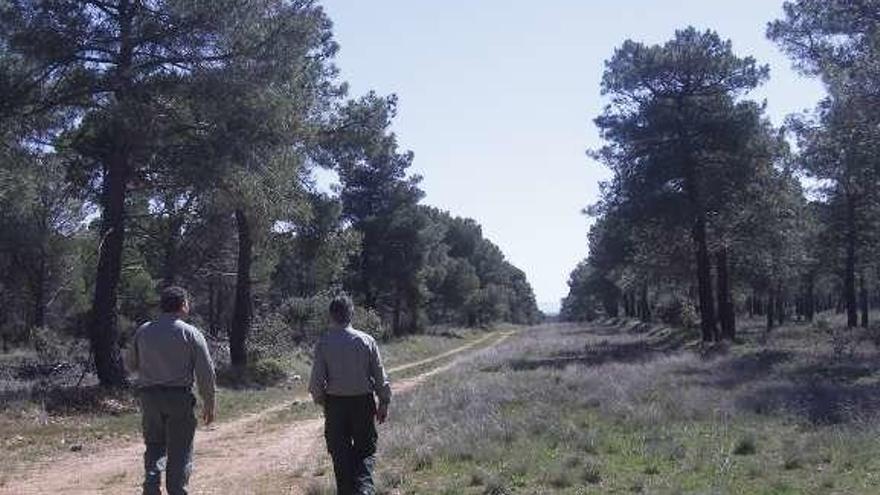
(566, 409)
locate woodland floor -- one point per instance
(617, 407)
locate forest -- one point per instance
(151, 143)
(720, 336)
(712, 212)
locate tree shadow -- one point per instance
(592, 355)
(732, 372)
(598, 331)
(614, 328)
(72, 400)
(820, 391)
(605, 351)
(816, 403)
(10, 397)
(837, 371)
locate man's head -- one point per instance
(174, 300)
(341, 310)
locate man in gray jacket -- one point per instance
(165, 354)
(346, 372)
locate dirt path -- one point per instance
(229, 458)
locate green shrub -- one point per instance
(678, 312)
(52, 347)
(271, 336)
(367, 320)
(306, 318)
(267, 372)
(259, 372)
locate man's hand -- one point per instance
(208, 414)
(382, 413)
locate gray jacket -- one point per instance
(347, 363)
(170, 352)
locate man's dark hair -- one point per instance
(342, 309)
(172, 299)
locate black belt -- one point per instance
(165, 388)
(349, 397)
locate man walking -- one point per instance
(346, 372)
(165, 354)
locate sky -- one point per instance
(497, 100)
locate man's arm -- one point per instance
(381, 384)
(318, 378)
(130, 358)
(205, 376)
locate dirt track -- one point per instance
(229, 458)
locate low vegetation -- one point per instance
(634, 409)
(38, 421)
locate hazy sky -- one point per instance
(496, 99)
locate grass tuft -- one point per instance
(591, 473)
(745, 446)
(423, 459)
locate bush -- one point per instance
(678, 312)
(367, 320)
(53, 347)
(306, 318)
(267, 372)
(259, 372)
(271, 336)
(49, 346)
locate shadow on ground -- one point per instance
(806, 381)
(636, 344)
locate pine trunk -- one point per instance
(396, 323)
(704, 280)
(241, 318)
(611, 305)
(39, 311)
(810, 299)
(849, 278)
(170, 262)
(781, 315)
(645, 308)
(725, 301)
(213, 320)
(104, 333)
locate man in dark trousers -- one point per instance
(166, 353)
(347, 371)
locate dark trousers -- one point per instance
(169, 425)
(351, 436)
